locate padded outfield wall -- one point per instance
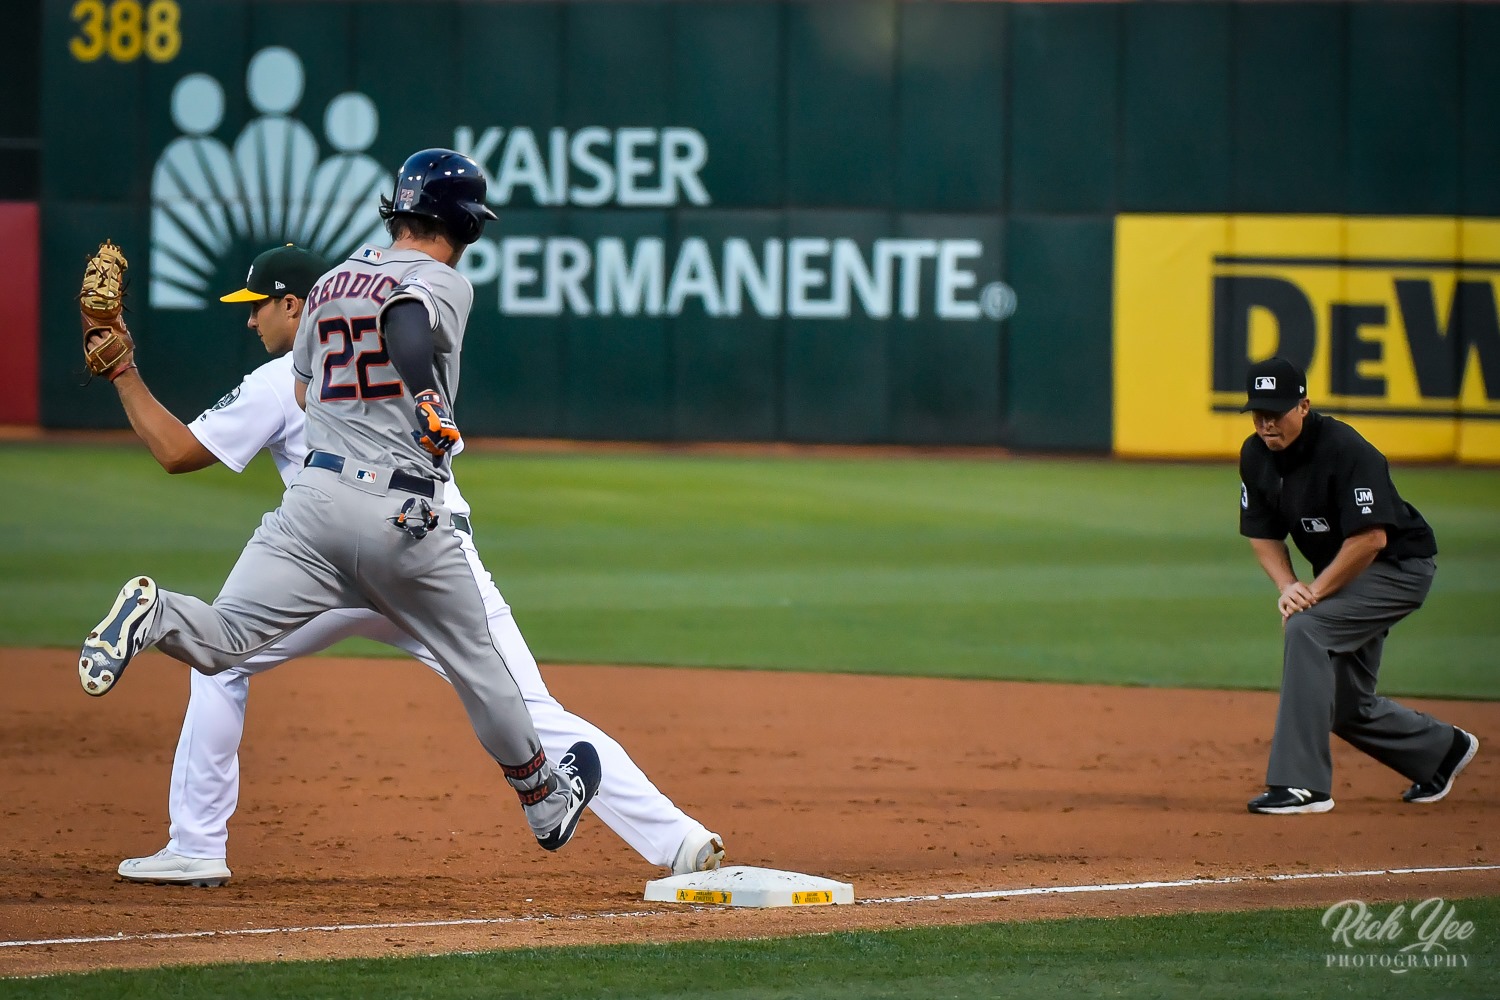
(843, 222)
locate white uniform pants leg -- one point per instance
(205, 786)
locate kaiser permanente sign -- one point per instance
(803, 277)
(1394, 319)
(280, 180)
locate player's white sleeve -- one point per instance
(247, 419)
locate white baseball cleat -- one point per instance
(112, 643)
(700, 851)
(166, 868)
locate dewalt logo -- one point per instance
(1396, 336)
(1394, 320)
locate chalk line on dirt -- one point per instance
(630, 914)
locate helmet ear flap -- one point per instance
(464, 227)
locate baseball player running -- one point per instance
(365, 524)
(261, 413)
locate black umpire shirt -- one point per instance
(1328, 484)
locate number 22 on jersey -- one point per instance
(354, 340)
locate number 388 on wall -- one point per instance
(126, 29)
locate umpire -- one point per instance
(1315, 478)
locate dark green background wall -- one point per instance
(1027, 126)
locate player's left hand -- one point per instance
(107, 345)
(437, 433)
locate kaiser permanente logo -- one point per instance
(274, 186)
(271, 185)
(1427, 936)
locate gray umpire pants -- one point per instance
(1332, 659)
(330, 545)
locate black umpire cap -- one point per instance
(1275, 386)
(288, 270)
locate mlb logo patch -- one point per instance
(1265, 382)
(1315, 525)
(370, 253)
(365, 475)
(1364, 496)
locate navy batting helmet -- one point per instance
(444, 185)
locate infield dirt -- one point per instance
(366, 800)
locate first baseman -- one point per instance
(262, 413)
(1315, 478)
(365, 523)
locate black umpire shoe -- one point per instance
(579, 772)
(1279, 800)
(1464, 747)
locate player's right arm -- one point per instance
(406, 326)
(172, 444)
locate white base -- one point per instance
(741, 885)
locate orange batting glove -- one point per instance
(438, 433)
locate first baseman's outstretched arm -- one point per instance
(175, 447)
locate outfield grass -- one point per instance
(1029, 569)
(1273, 953)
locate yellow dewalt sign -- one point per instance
(1394, 320)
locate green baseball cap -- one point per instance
(288, 270)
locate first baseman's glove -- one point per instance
(100, 299)
(438, 433)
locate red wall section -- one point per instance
(20, 326)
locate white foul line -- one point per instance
(1179, 883)
(990, 894)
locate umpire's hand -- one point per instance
(1295, 596)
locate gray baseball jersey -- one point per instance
(356, 404)
(332, 544)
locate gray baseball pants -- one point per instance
(330, 545)
(1331, 662)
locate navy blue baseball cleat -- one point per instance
(117, 638)
(579, 772)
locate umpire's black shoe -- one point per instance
(1465, 746)
(117, 638)
(580, 773)
(1279, 800)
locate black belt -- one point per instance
(403, 481)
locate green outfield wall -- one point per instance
(843, 222)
